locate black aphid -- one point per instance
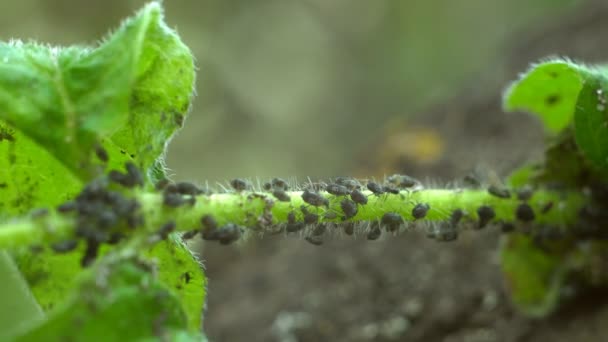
(420, 210)
(310, 218)
(107, 218)
(446, 232)
(499, 192)
(319, 230)
(187, 188)
(239, 184)
(348, 182)
(172, 199)
(314, 198)
(358, 197)
(507, 227)
(189, 234)
(134, 174)
(330, 215)
(456, 216)
(337, 190)
(402, 181)
(209, 222)
(391, 221)
(101, 153)
(166, 229)
(349, 208)
(67, 207)
(524, 213)
(294, 227)
(486, 214)
(228, 234)
(525, 193)
(391, 189)
(349, 228)
(90, 253)
(64, 246)
(280, 184)
(281, 195)
(267, 186)
(545, 209)
(375, 188)
(315, 240)
(374, 232)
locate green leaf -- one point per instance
(591, 120)
(120, 299)
(549, 90)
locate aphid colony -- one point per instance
(102, 212)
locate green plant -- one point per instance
(84, 131)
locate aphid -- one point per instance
(280, 184)
(294, 227)
(349, 228)
(315, 240)
(64, 246)
(101, 153)
(524, 213)
(107, 218)
(446, 232)
(281, 195)
(267, 186)
(507, 227)
(134, 174)
(420, 210)
(545, 209)
(161, 184)
(349, 208)
(472, 181)
(486, 214)
(228, 234)
(392, 221)
(314, 198)
(239, 184)
(358, 197)
(456, 216)
(39, 213)
(375, 188)
(90, 253)
(319, 230)
(166, 229)
(330, 215)
(337, 190)
(374, 233)
(525, 193)
(499, 192)
(348, 182)
(172, 199)
(209, 222)
(402, 181)
(319, 186)
(187, 188)
(310, 218)
(67, 207)
(391, 189)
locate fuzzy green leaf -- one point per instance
(549, 90)
(120, 299)
(591, 120)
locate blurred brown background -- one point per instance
(322, 88)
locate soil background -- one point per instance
(410, 288)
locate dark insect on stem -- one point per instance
(161, 184)
(209, 222)
(348, 182)
(319, 230)
(375, 188)
(267, 186)
(280, 184)
(420, 210)
(358, 197)
(374, 232)
(349, 228)
(446, 232)
(486, 214)
(337, 190)
(174, 200)
(228, 234)
(391, 189)
(166, 229)
(310, 218)
(391, 221)
(525, 213)
(545, 209)
(315, 240)
(64, 246)
(281, 195)
(189, 234)
(499, 192)
(90, 253)
(102, 154)
(136, 178)
(239, 184)
(330, 215)
(187, 188)
(402, 181)
(314, 198)
(525, 193)
(456, 216)
(349, 208)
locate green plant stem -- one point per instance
(247, 208)
(19, 308)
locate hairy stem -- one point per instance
(257, 209)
